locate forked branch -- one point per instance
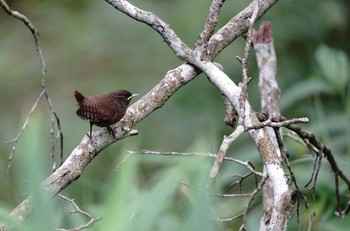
(43, 93)
(83, 154)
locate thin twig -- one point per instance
(227, 141)
(15, 140)
(284, 123)
(224, 195)
(34, 32)
(323, 150)
(295, 138)
(246, 164)
(313, 191)
(250, 201)
(59, 135)
(230, 218)
(121, 162)
(292, 176)
(91, 219)
(241, 179)
(344, 212)
(43, 92)
(234, 195)
(244, 63)
(83, 154)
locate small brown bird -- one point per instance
(103, 110)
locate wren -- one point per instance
(103, 110)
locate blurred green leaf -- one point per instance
(302, 90)
(164, 204)
(334, 65)
(110, 51)
(34, 169)
(6, 219)
(117, 209)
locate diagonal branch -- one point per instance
(54, 115)
(210, 25)
(32, 29)
(320, 150)
(85, 152)
(237, 26)
(16, 139)
(78, 210)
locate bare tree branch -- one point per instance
(15, 140)
(209, 27)
(208, 46)
(83, 154)
(88, 225)
(242, 178)
(273, 209)
(54, 116)
(34, 32)
(313, 189)
(226, 143)
(236, 27)
(283, 123)
(250, 201)
(244, 62)
(243, 163)
(320, 149)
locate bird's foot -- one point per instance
(89, 135)
(111, 131)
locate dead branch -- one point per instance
(244, 62)
(244, 214)
(280, 124)
(246, 164)
(209, 27)
(241, 109)
(322, 150)
(54, 116)
(226, 143)
(83, 154)
(91, 219)
(266, 59)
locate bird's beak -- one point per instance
(132, 96)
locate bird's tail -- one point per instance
(79, 97)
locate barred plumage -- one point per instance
(103, 110)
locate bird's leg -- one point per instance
(111, 131)
(91, 129)
(90, 134)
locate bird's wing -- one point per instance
(94, 112)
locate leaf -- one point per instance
(303, 90)
(334, 66)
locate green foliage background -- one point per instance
(91, 47)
